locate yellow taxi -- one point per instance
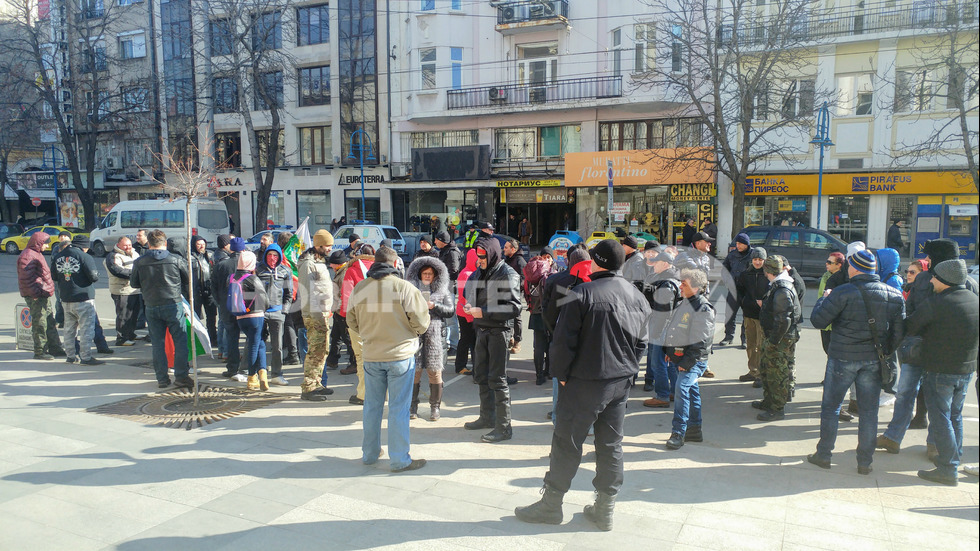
(17, 243)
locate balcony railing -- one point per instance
(531, 10)
(506, 95)
(856, 21)
(99, 65)
(90, 13)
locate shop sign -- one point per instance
(528, 183)
(521, 195)
(696, 193)
(870, 183)
(640, 167)
(792, 205)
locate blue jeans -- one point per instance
(660, 371)
(453, 334)
(945, 394)
(222, 348)
(160, 319)
(301, 344)
(395, 378)
(254, 345)
(840, 374)
(687, 398)
(905, 393)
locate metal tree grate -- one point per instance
(175, 408)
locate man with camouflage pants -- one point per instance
(316, 294)
(779, 318)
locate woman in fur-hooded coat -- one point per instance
(432, 354)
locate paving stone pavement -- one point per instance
(289, 475)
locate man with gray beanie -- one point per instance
(75, 273)
(596, 352)
(948, 324)
(852, 356)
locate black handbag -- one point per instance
(909, 351)
(888, 363)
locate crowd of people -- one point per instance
(593, 324)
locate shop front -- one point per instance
(862, 206)
(650, 193)
(546, 204)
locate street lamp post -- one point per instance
(359, 146)
(822, 140)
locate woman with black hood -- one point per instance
(204, 305)
(431, 277)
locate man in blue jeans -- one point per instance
(852, 355)
(389, 314)
(162, 278)
(687, 344)
(949, 326)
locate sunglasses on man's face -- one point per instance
(911, 271)
(830, 262)
(481, 256)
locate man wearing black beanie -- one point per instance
(596, 354)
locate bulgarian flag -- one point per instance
(299, 242)
(197, 333)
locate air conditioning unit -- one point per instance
(539, 94)
(112, 163)
(399, 170)
(508, 13)
(497, 94)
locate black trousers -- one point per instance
(467, 340)
(127, 310)
(289, 335)
(583, 404)
(490, 372)
(207, 310)
(734, 303)
(339, 336)
(518, 330)
(541, 361)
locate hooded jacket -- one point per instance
(535, 274)
(120, 266)
(75, 273)
(253, 291)
(432, 352)
(558, 286)
(781, 313)
(451, 256)
(888, 261)
(161, 276)
(388, 313)
(496, 290)
(357, 269)
(601, 332)
(315, 284)
(844, 308)
(464, 276)
(278, 282)
(33, 273)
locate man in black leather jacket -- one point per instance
(492, 296)
(779, 317)
(852, 357)
(600, 338)
(162, 277)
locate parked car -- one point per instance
(372, 234)
(10, 230)
(805, 248)
(253, 243)
(208, 218)
(16, 244)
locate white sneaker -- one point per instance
(972, 469)
(279, 381)
(239, 377)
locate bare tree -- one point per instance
(18, 114)
(86, 90)
(741, 71)
(246, 68)
(936, 96)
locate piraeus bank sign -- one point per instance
(912, 183)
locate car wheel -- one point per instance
(98, 249)
(12, 248)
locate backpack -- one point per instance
(236, 297)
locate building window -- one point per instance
(677, 49)
(847, 217)
(268, 91)
(315, 205)
(651, 134)
(94, 58)
(314, 86)
(427, 67)
(357, 75)
(963, 85)
(98, 108)
(428, 5)
(225, 95)
(129, 2)
(795, 98)
(139, 152)
(267, 31)
(136, 98)
(313, 25)
(537, 63)
(449, 138)
(265, 138)
(856, 93)
(228, 149)
(645, 48)
(534, 143)
(132, 45)
(617, 51)
(916, 90)
(315, 146)
(456, 57)
(220, 31)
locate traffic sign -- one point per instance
(25, 339)
(36, 202)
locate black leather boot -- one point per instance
(414, 410)
(601, 512)
(435, 401)
(545, 511)
(487, 413)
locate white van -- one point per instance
(209, 219)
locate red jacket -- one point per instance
(33, 273)
(356, 272)
(461, 283)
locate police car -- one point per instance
(370, 233)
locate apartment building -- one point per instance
(891, 73)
